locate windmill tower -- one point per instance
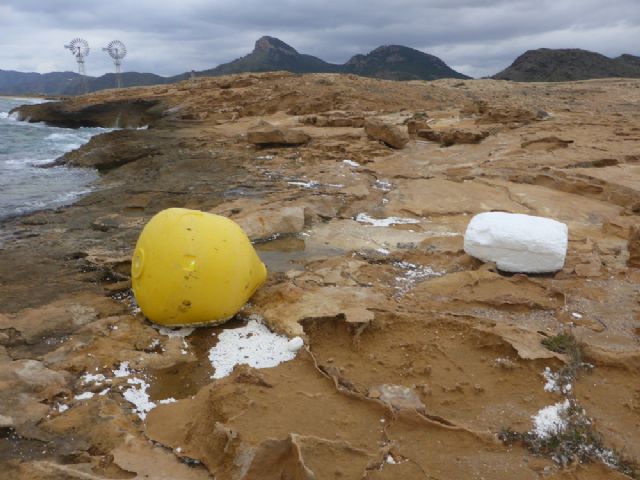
(117, 51)
(79, 48)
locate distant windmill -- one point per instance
(117, 51)
(79, 48)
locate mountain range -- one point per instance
(562, 65)
(391, 62)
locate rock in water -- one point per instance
(391, 135)
(516, 242)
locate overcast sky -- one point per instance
(478, 37)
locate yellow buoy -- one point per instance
(191, 267)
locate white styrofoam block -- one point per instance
(516, 242)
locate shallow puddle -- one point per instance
(291, 253)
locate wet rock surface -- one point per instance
(419, 361)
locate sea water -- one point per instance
(24, 148)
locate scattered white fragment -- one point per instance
(92, 378)
(550, 420)
(351, 163)
(254, 345)
(166, 401)
(175, 332)
(265, 157)
(390, 460)
(552, 380)
(122, 370)
(139, 397)
(84, 396)
(413, 274)
(383, 251)
(383, 185)
(178, 449)
(104, 392)
(314, 184)
(516, 242)
(309, 184)
(385, 222)
(576, 315)
(295, 344)
(63, 408)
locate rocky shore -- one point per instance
(419, 360)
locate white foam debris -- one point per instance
(351, 163)
(176, 332)
(167, 401)
(576, 315)
(139, 397)
(97, 378)
(390, 460)
(63, 408)
(552, 379)
(254, 345)
(383, 251)
(309, 184)
(84, 396)
(413, 274)
(122, 371)
(265, 157)
(104, 392)
(384, 185)
(385, 222)
(295, 344)
(550, 420)
(516, 242)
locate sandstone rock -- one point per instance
(417, 122)
(24, 384)
(267, 134)
(391, 135)
(269, 222)
(516, 242)
(111, 150)
(56, 319)
(634, 248)
(453, 137)
(354, 121)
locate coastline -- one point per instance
(410, 344)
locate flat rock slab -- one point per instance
(516, 242)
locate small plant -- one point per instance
(562, 343)
(578, 442)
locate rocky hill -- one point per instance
(561, 65)
(271, 54)
(395, 62)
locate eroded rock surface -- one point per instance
(419, 361)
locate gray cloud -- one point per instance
(476, 37)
